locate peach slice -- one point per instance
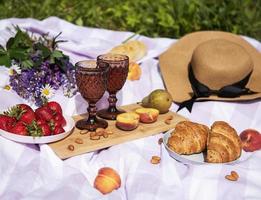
(107, 180)
(147, 115)
(127, 121)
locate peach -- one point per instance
(251, 140)
(107, 180)
(127, 121)
(134, 71)
(147, 115)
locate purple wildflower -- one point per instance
(28, 84)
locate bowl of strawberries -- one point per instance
(45, 124)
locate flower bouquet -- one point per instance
(36, 67)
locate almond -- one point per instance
(234, 174)
(70, 147)
(109, 132)
(170, 117)
(78, 141)
(82, 132)
(95, 137)
(100, 133)
(167, 121)
(100, 130)
(231, 178)
(105, 134)
(92, 134)
(155, 160)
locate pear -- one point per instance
(159, 99)
(145, 102)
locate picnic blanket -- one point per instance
(35, 172)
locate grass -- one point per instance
(164, 18)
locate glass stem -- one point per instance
(112, 102)
(92, 112)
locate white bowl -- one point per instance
(41, 139)
(199, 157)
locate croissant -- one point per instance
(224, 145)
(188, 138)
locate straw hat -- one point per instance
(212, 65)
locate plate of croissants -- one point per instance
(194, 143)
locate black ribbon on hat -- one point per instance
(201, 90)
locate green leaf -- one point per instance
(57, 54)
(5, 60)
(27, 64)
(52, 60)
(2, 51)
(38, 62)
(18, 54)
(61, 62)
(20, 40)
(10, 43)
(45, 51)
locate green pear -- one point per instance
(159, 99)
(145, 102)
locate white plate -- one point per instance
(43, 139)
(198, 158)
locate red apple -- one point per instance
(251, 140)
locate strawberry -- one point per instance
(27, 117)
(22, 113)
(39, 128)
(58, 130)
(19, 128)
(46, 131)
(34, 130)
(6, 122)
(55, 107)
(25, 107)
(40, 121)
(44, 113)
(59, 120)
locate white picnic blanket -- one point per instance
(33, 172)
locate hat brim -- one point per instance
(174, 65)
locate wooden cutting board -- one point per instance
(118, 136)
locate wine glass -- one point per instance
(118, 72)
(91, 81)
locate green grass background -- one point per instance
(164, 18)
